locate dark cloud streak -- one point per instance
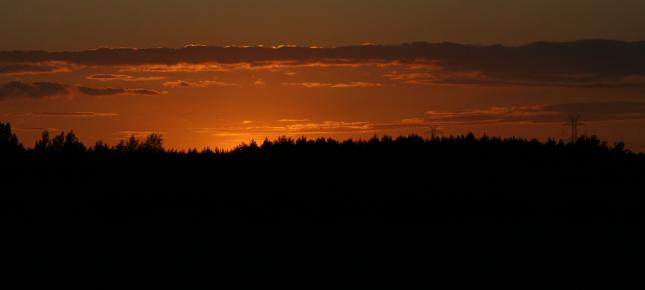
(554, 113)
(580, 63)
(73, 114)
(39, 90)
(34, 90)
(17, 68)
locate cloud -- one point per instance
(34, 90)
(335, 85)
(73, 114)
(25, 69)
(555, 113)
(293, 128)
(116, 91)
(20, 68)
(119, 77)
(585, 63)
(101, 91)
(198, 84)
(39, 90)
(293, 120)
(542, 114)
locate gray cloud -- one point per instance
(115, 91)
(142, 92)
(580, 63)
(555, 113)
(26, 69)
(198, 84)
(30, 68)
(101, 91)
(34, 90)
(39, 90)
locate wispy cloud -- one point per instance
(198, 84)
(554, 113)
(291, 128)
(32, 90)
(39, 90)
(116, 91)
(542, 114)
(121, 77)
(73, 114)
(31, 68)
(335, 85)
(293, 120)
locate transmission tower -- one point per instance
(573, 122)
(434, 133)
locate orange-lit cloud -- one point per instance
(335, 85)
(72, 114)
(294, 120)
(556, 113)
(301, 128)
(184, 67)
(120, 77)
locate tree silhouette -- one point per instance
(8, 140)
(152, 144)
(72, 144)
(67, 143)
(130, 145)
(42, 144)
(100, 147)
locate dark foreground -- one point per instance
(408, 208)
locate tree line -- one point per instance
(69, 143)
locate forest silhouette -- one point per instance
(409, 179)
(369, 191)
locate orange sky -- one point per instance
(218, 96)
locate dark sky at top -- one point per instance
(87, 24)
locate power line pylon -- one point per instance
(574, 123)
(434, 133)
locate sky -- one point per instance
(218, 73)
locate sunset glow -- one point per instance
(179, 142)
(209, 94)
